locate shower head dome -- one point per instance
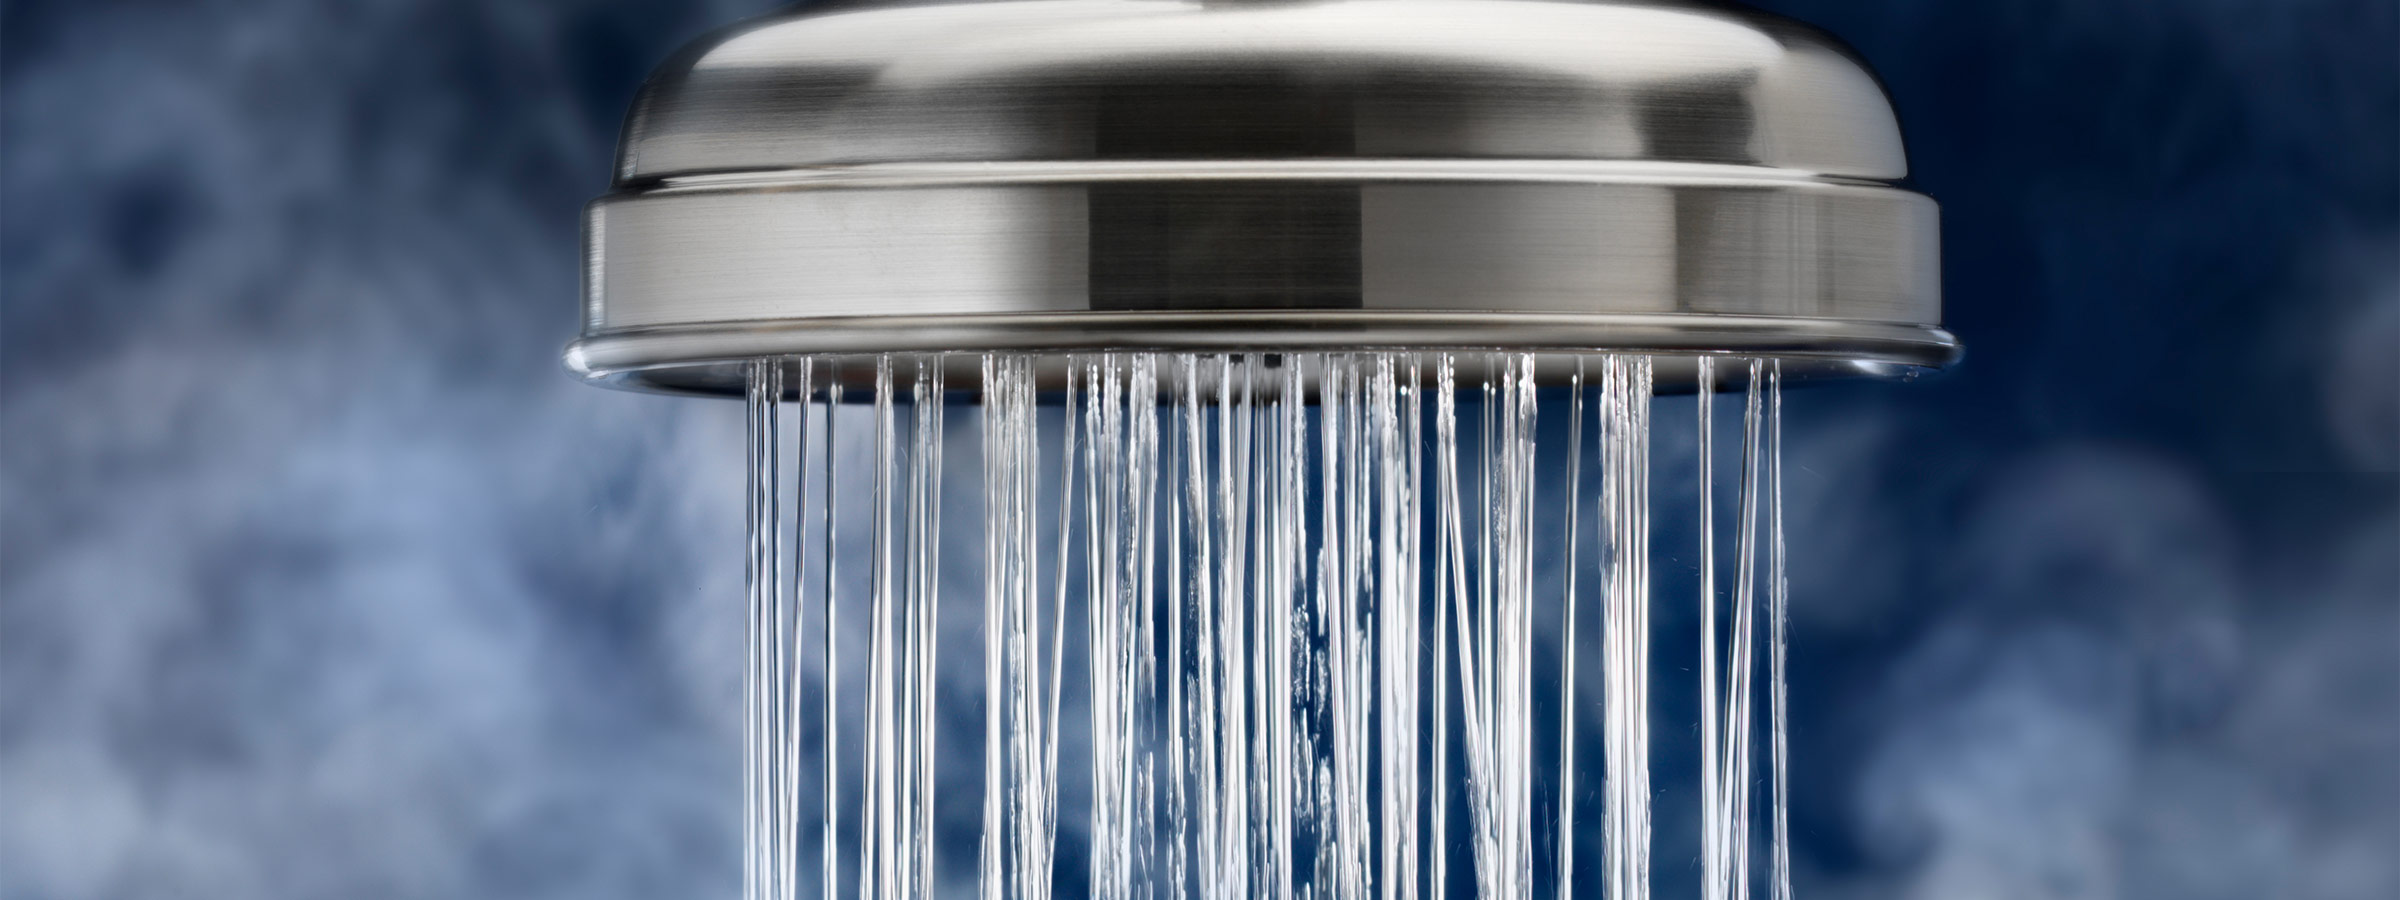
(1174, 175)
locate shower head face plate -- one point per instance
(1072, 175)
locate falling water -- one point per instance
(1274, 593)
(1625, 506)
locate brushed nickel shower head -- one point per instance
(1068, 175)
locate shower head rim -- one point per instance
(710, 359)
(1345, 170)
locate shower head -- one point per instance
(1287, 516)
(1070, 175)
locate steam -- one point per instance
(319, 578)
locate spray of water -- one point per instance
(1301, 583)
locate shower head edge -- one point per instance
(711, 359)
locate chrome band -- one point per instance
(1583, 255)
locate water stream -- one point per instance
(1291, 626)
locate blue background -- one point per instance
(319, 579)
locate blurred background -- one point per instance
(318, 578)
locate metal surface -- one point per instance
(1155, 174)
